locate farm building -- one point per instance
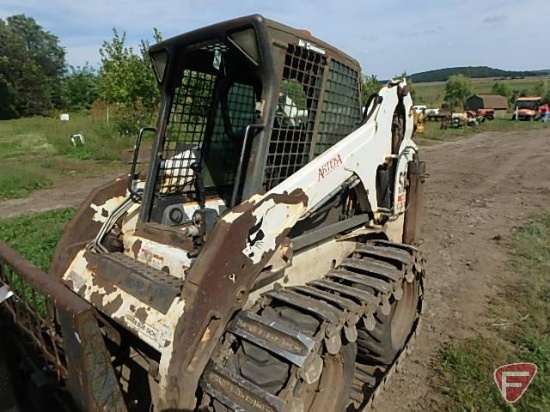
(487, 101)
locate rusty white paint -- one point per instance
(157, 329)
(269, 217)
(158, 255)
(108, 206)
(216, 203)
(310, 264)
(360, 154)
(394, 229)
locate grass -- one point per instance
(433, 93)
(36, 153)
(36, 236)
(466, 368)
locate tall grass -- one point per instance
(38, 152)
(36, 236)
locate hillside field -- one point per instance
(431, 94)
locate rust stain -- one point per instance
(141, 314)
(96, 299)
(114, 305)
(104, 212)
(136, 247)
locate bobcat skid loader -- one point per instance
(266, 258)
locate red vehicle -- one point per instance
(527, 108)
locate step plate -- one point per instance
(152, 286)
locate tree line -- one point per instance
(35, 78)
(459, 87)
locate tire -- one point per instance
(385, 341)
(329, 393)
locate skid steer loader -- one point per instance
(265, 260)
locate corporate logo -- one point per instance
(514, 379)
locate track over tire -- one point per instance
(267, 371)
(385, 341)
(329, 345)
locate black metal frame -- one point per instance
(329, 80)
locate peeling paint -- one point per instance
(103, 211)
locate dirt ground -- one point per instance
(478, 190)
(70, 194)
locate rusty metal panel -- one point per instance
(64, 331)
(415, 200)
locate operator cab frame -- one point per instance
(244, 104)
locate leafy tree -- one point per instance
(31, 66)
(541, 88)
(503, 89)
(80, 88)
(369, 85)
(457, 89)
(127, 81)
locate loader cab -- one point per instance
(245, 104)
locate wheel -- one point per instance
(329, 393)
(385, 341)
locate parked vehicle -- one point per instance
(527, 108)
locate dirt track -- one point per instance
(69, 195)
(479, 189)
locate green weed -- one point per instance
(36, 236)
(17, 181)
(466, 368)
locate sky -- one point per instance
(386, 37)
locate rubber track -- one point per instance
(338, 307)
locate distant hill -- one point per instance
(442, 75)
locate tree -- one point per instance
(541, 88)
(503, 89)
(80, 88)
(369, 85)
(31, 67)
(126, 79)
(457, 89)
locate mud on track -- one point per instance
(478, 190)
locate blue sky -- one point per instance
(386, 37)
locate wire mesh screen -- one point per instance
(186, 128)
(290, 143)
(341, 106)
(28, 309)
(222, 156)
